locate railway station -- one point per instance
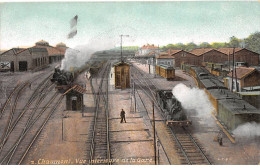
(133, 89)
(85, 111)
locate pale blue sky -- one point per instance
(22, 24)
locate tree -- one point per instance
(180, 46)
(219, 45)
(172, 46)
(252, 42)
(234, 42)
(205, 45)
(190, 46)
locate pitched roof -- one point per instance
(33, 49)
(51, 50)
(242, 72)
(152, 52)
(171, 51)
(15, 50)
(228, 50)
(200, 51)
(20, 51)
(76, 88)
(148, 46)
(121, 63)
(164, 55)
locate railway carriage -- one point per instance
(165, 71)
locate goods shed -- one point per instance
(234, 112)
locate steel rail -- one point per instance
(198, 147)
(180, 146)
(12, 93)
(97, 98)
(10, 118)
(29, 126)
(148, 86)
(41, 128)
(30, 101)
(174, 135)
(175, 139)
(8, 100)
(155, 131)
(156, 103)
(107, 122)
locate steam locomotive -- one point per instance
(172, 108)
(62, 77)
(65, 79)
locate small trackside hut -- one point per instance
(74, 98)
(122, 75)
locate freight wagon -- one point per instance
(230, 109)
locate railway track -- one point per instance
(99, 152)
(190, 150)
(192, 153)
(29, 123)
(15, 90)
(12, 124)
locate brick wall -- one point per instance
(247, 56)
(214, 56)
(251, 80)
(187, 58)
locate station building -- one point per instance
(145, 49)
(26, 59)
(55, 53)
(165, 59)
(33, 58)
(223, 56)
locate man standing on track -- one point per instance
(122, 115)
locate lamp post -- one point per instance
(121, 36)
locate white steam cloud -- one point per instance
(194, 99)
(249, 130)
(78, 56)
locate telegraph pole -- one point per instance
(232, 87)
(121, 36)
(154, 137)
